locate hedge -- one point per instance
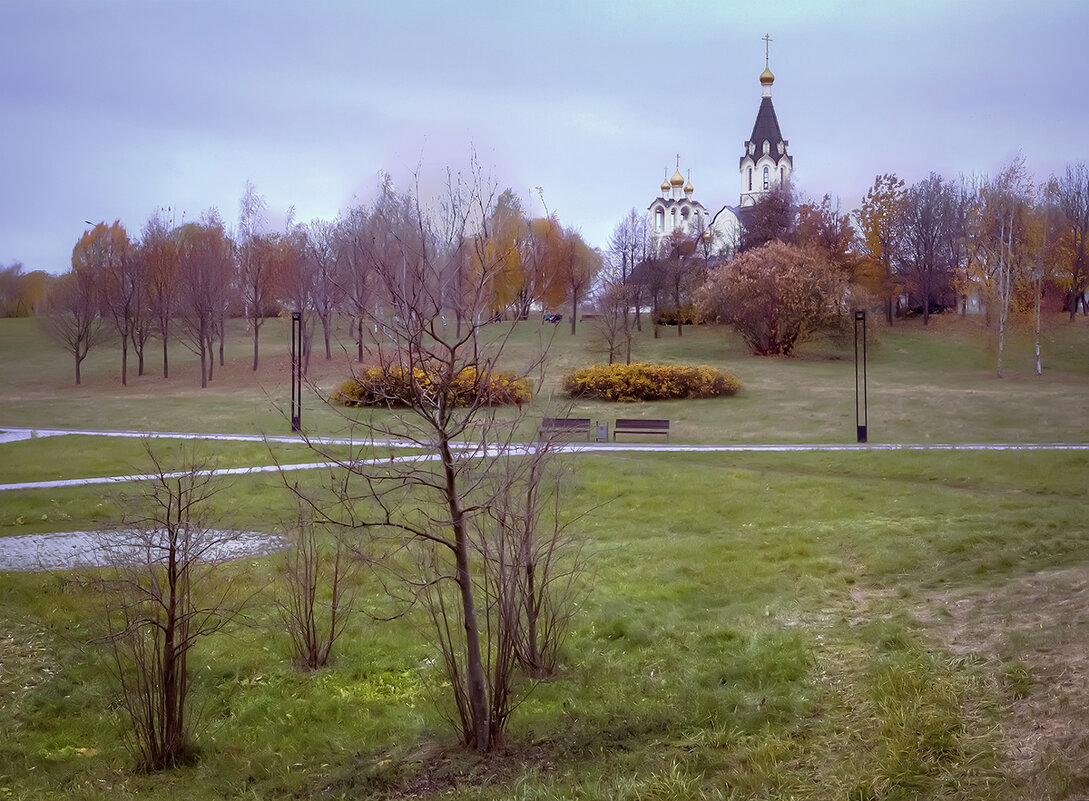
(644, 382)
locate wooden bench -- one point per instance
(638, 426)
(565, 426)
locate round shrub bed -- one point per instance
(399, 387)
(645, 382)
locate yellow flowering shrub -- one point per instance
(399, 387)
(643, 382)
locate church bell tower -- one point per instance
(765, 165)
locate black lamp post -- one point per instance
(861, 404)
(296, 371)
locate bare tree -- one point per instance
(298, 284)
(926, 255)
(440, 389)
(316, 591)
(73, 316)
(321, 253)
(353, 271)
(629, 246)
(256, 264)
(533, 563)
(614, 323)
(774, 218)
(169, 587)
(681, 270)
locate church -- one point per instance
(765, 165)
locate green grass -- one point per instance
(933, 384)
(761, 625)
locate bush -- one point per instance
(643, 382)
(399, 387)
(678, 315)
(777, 296)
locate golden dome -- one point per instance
(665, 184)
(767, 78)
(688, 190)
(677, 179)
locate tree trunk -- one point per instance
(203, 356)
(169, 676)
(256, 336)
(211, 359)
(124, 360)
(533, 656)
(166, 360)
(474, 664)
(1039, 304)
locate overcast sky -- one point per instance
(111, 109)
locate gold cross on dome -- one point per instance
(767, 48)
(678, 161)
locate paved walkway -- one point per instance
(80, 548)
(31, 552)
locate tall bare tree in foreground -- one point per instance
(443, 520)
(169, 587)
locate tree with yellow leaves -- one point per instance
(877, 224)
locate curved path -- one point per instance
(78, 548)
(17, 434)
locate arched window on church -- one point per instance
(659, 216)
(767, 177)
(782, 176)
(750, 179)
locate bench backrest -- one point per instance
(565, 423)
(646, 425)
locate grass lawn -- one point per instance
(860, 625)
